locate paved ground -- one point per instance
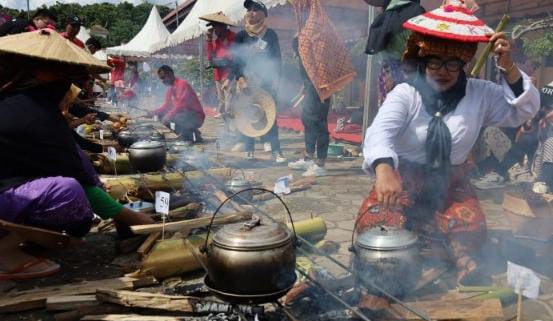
(336, 198)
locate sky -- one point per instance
(22, 4)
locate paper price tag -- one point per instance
(162, 202)
(101, 134)
(172, 126)
(112, 154)
(523, 279)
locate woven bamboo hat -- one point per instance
(254, 112)
(48, 45)
(218, 17)
(454, 20)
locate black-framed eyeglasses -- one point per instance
(452, 65)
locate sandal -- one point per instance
(19, 273)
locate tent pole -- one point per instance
(201, 49)
(370, 104)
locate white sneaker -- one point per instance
(489, 181)
(239, 147)
(279, 159)
(301, 164)
(314, 170)
(267, 147)
(540, 188)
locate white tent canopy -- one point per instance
(141, 45)
(192, 27)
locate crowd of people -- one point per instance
(418, 147)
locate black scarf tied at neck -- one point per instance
(438, 139)
(438, 105)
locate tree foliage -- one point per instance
(123, 20)
(540, 47)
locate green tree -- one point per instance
(123, 20)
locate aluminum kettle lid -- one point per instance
(386, 238)
(248, 236)
(147, 144)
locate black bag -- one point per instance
(388, 23)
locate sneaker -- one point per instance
(267, 147)
(279, 159)
(218, 115)
(250, 156)
(489, 181)
(239, 147)
(314, 170)
(301, 164)
(540, 188)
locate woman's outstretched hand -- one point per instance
(387, 187)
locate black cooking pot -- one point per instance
(126, 138)
(147, 156)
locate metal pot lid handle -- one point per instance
(204, 248)
(255, 221)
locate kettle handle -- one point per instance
(204, 247)
(352, 247)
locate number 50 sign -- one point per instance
(162, 202)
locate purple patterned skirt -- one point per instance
(54, 203)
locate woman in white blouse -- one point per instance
(422, 135)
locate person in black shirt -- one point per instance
(46, 180)
(43, 18)
(258, 63)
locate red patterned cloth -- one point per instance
(323, 55)
(459, 222)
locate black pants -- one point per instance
(187, 123)
(271, 137)
(314, 119)
(526, 145)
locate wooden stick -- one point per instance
(70, 302)
(34, 299)
(519, 304)
(482, 59)
(130, 317)
(193, 223)
(148, 244)
(150, 300)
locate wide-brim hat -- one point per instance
(453, 21)
(48, 45)
(254, 112)
(218, 17)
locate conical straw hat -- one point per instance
(254, 112)
(218, 17)
(47, 44)
(453, 20)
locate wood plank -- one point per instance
(517, 205)
(148, 244)
(190, 224)
(103, 308)
(450, 310)
(150, 300)
(70, 302)
(33, 299)
(46, 238)
(130, 317)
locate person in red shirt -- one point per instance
(117, 76)
(219, 55)
(72, 30)
(181, 107)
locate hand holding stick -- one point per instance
(482, 59)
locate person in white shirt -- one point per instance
(419, 142)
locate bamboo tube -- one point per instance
(173, 257)
(121, 186)
(482, 59)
